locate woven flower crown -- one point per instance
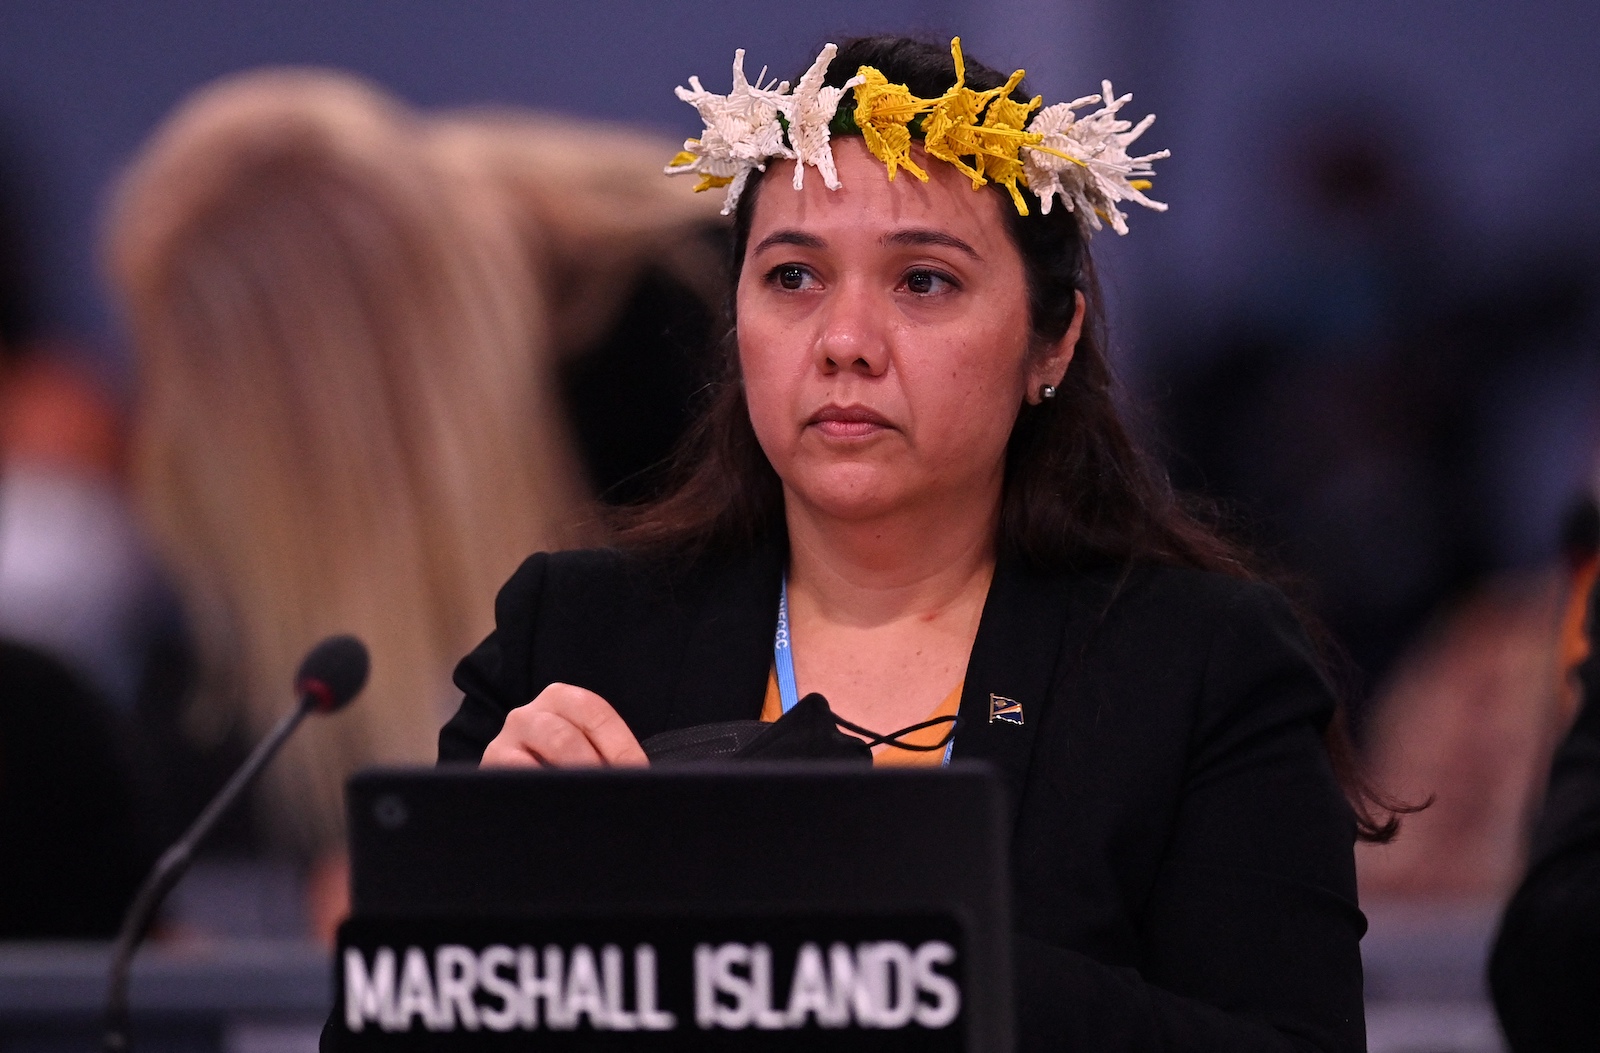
(1084, 162)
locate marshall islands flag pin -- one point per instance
(1006, 709)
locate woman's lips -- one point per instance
(848, 422)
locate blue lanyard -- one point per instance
(783, 663)
(782, 654)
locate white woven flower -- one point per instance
(1044, 171)
(1101, 173)
(741, 132)
(809, 111)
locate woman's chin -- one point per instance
(851, 492)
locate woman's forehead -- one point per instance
(870, 206)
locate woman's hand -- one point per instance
(564, 727)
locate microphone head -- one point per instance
(332, 674)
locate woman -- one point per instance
(915, 449)
(349, 317)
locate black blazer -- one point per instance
(1545, 970)
(1182, 853)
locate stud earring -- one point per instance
(1047, 391)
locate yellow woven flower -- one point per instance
(883, 112)
(1003, 138)
(952, 130)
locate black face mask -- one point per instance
(809, 731)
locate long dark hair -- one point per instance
(1079, 491)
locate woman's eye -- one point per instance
(925, 283)
(790, 276)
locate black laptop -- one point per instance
(748, 907)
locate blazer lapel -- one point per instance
(1011, 672)
(732, 613)
(730, 607)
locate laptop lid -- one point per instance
(743, 906)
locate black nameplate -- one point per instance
(750, 983)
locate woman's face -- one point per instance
(884, 337)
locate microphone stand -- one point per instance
(170, 868)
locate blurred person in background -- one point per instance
(1545, 970)
(74, 631)
(632, 277)
(348, 320)
(1470, 719)
(1319, 409)
(73, 846)
(1400, 419)
(74, 575)
(1471, 711)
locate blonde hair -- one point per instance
(346, 418)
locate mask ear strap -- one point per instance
(893, 738)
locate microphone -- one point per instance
(329, 678)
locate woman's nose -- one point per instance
(853, 335)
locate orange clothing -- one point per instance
(887, 756)
(1576, 633)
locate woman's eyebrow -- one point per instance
(926, 236)
(791, 237)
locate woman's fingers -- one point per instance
(506, 753)
(565, 726)
(560, 743)
(607, 732)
